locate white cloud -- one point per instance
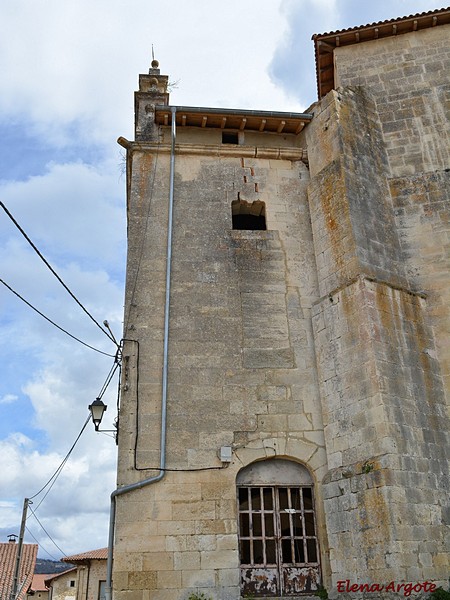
(81, 59)
(73, 209)
(8, 399)
(81, 490)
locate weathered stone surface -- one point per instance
(323, 339)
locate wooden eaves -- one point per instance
(233, 119)
(325, 43)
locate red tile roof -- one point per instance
(325, 43)
(49, 578)
(38, 582)
(101, 554)
(8, 554)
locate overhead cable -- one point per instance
(111, 373)
(52, 322)
(46, 532)
(41, 546)
(105, 331)
(59, 469)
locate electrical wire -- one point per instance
(47, 533)
(111, 374)
(111, 337)
(51, 482)
(41, 546)
(52, 322)
(59, 469)
(183, 470)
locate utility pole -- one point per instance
(15, 582)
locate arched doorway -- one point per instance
(279, 551)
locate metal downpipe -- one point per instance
(162, 462)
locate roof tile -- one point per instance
(8, 554)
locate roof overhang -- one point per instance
(233, 119)
(325, 43)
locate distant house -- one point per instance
(8, 559)
(62, 586)
(85, 581)
(38, 589)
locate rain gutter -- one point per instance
(235, 112)
(162, 463)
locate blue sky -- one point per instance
(69, 69)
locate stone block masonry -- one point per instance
(320, 341)
(241, 363)
(408, 78)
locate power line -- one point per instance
(59, 469)
(55, 273)
(111, 373)
(52, 322)
(47, 533)
(42, 547)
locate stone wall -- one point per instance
(242, 369)
(323, 339)
(61, 588)
(407, 75)
(379, 201)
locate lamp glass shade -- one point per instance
(97, 409)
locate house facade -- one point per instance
(285, 390)
(84, 581)
(63, 585)
(38, 589)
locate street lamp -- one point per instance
(97, 409)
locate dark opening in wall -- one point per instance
(248, 215)
(230, 137)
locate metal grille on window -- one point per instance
(278, 540)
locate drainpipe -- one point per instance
(162, 463)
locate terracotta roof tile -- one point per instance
(38, 582)
(386, 22)
(325, 43)
(101, 554)
(8, 554)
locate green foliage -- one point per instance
(440, 594)
(198, 596)
(367, 467)
(322, 593)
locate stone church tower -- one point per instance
(284, 418)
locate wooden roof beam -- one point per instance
(325, 46)
(243, 123)
(299, 128)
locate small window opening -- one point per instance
(248, 215)
(230, 137)
(72, 583)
